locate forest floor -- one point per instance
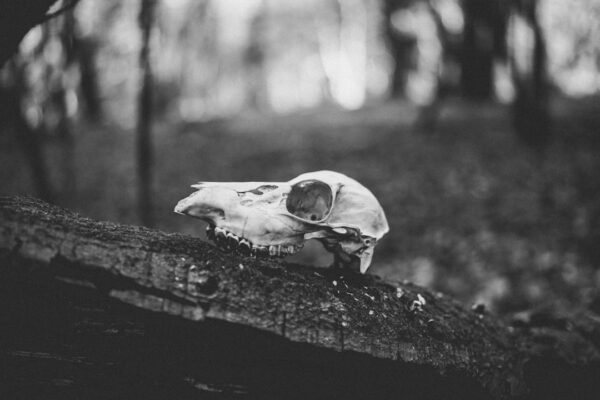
(472, 211)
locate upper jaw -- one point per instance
(230, 242)
(226, 233)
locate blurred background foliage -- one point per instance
(475, 122)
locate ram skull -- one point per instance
(276, 218)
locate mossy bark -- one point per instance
(174, 312)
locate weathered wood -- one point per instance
(300, 324)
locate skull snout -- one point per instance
(208, 204)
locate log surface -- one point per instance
(386, 336)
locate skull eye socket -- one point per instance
(310, 200)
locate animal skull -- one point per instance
(276, 218)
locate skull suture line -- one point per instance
(276, 218)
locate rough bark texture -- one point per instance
(96, 309)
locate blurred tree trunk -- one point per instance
(401, 45)
(17, 17)
(60, 98)
(144, 124)
(530, 107)
(254, 60)
(77, 76)
(427, 120)
(81, 53)
(483, 38)
(86, 48)
(11, 98)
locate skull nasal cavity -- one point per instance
(310, 200)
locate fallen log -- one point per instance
(97, 309)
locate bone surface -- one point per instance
(276, 218)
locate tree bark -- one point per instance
(77, 292)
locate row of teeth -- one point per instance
(230, 242)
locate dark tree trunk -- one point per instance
(86, 48)
(103, 310)
(144, 127)
(254, 60)
(29, 139)
(59, 97)
(402, 47)
(17, 17)
(81, 52)
(427, 121)
(530, 108)
(484, 32)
